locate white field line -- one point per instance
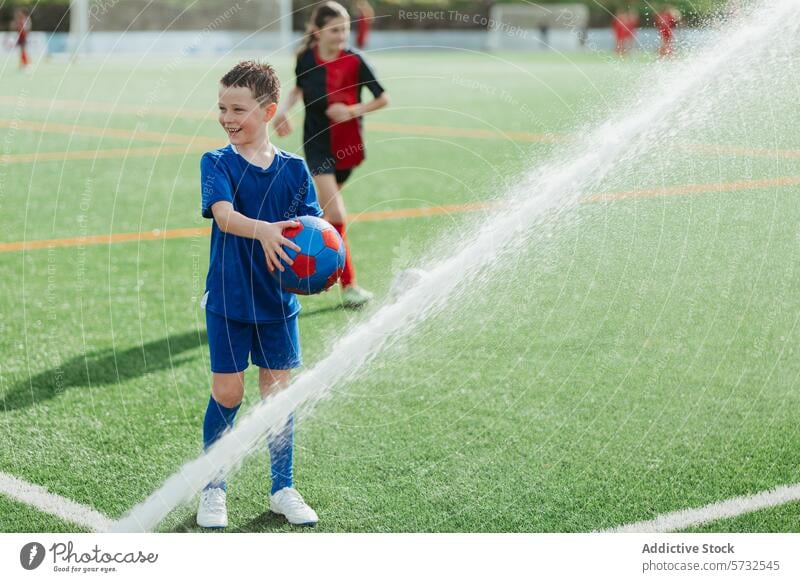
(43, 500)
(61, 507)
(733, 507)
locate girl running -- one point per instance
(329, 80)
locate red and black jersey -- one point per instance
(333, 146)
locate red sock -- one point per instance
(349, 274)
(23, 58)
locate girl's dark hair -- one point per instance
(320, 16)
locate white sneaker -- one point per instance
(355, 297)
(212, 511)
(288, 503)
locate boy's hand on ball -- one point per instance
(282, 125)
(273, 241)
(339, 112)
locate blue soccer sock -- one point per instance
(281, 446)
(218, 419)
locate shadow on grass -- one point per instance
(104, 367)
(266, 522)
(321, 310)
(108, 366)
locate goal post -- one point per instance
(78, 25)
(537, 26)
(169, 26)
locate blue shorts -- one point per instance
(268, 345)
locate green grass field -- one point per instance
(643, 361)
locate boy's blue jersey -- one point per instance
(239, 286)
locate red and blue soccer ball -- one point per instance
(319, 263)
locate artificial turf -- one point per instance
(640, 359)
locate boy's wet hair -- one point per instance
(260, 78)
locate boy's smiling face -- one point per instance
(242, 117)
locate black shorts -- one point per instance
(324, 164)
(343, 175)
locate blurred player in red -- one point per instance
(666, 21)
(22, 26)
(330, 78)
(624, 27)
(364, 16)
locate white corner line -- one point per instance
(61, 507)
(733, 507)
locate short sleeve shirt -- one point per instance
(238, 284)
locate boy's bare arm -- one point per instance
(269, 234)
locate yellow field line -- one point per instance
(443, 131)
(101, 239)
(202, 231)
(191, 113)
(418, 212)
(698, 189)
(71, 128)
(409, 213)
(742, 151)
(210, 114)
(99, 154)
(378, 126)
(99, 106)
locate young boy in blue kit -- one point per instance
(252, 190)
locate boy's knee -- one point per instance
(229, 392)
(228, 398)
